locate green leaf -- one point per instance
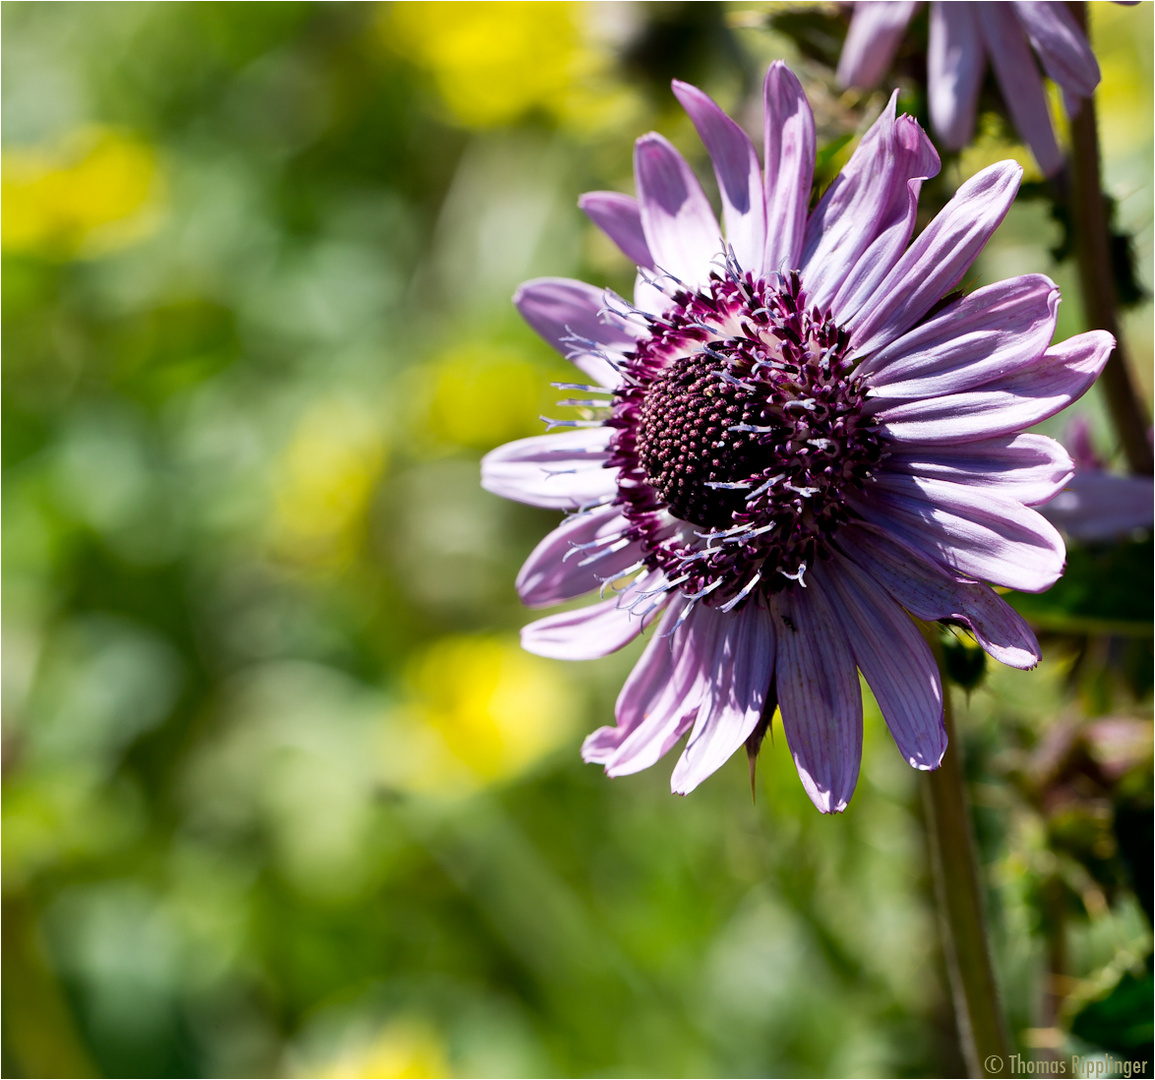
(1122, 1020)
(1105, 590)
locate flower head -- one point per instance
(962, 37)
(794, 439)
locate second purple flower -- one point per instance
(962, 37)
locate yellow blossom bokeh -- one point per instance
(323, 484)
(96, 191)
(495, 62)
(407, 1048)
(480, 394)
(480, 711)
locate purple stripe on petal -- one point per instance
(654, 713)
(895, 660)
(788, 125)
(865, 219)
(1063, 48)
(954, 72)
(739, 176)
(973, 532)
(1034, 392)
(638, 723)
(1028, 468)
(973, 340)
(1021, 82)
(875, 33)
(936, 262)
(560, 310)
(819, 695)
(740, 673)
(930, 592)
(620, 218)
(681, 230)
(593, 631)
(576, 558)
(559, 472)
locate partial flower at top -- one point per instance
(792, 441)
(1097, 505)
(962, 37)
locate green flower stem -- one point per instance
(1097, 279)
(958, 887)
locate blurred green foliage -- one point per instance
(281, 793)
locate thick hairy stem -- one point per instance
(958, 887)
(1097, 279)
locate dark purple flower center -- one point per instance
(740, 433)
(693, 434)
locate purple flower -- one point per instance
(794, 441)
(1097, 505)
(962, 37)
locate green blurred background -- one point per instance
(282, 795)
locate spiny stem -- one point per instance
(1097, 279)
(958, 887)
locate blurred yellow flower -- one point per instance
(494, 62)
(323, 484)
(97, 191)
(482, 394)
(405, 1048)
(481, 711)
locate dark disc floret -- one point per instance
(739, 434)
(694, 433)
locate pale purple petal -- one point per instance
(597, 630)
(819, 695)
(568, 314)
(1029, 468)
(1062, 47)
(650, 679)
(681, 230)
(954, 72)
(661, 697)
(977, 338)
(872, 41)
(1021, 82)
(976, 533)
(865, 219)
(895, 660)
(1099, 506)
(930, 592)
(649, 298)
(740, 673)
(620, 218)
(936, 262)
(739, 176)
(581, 553)
(560, 472)
(790, 147)
(1032, 393)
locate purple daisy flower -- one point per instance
(962, 37)
(797, 438)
